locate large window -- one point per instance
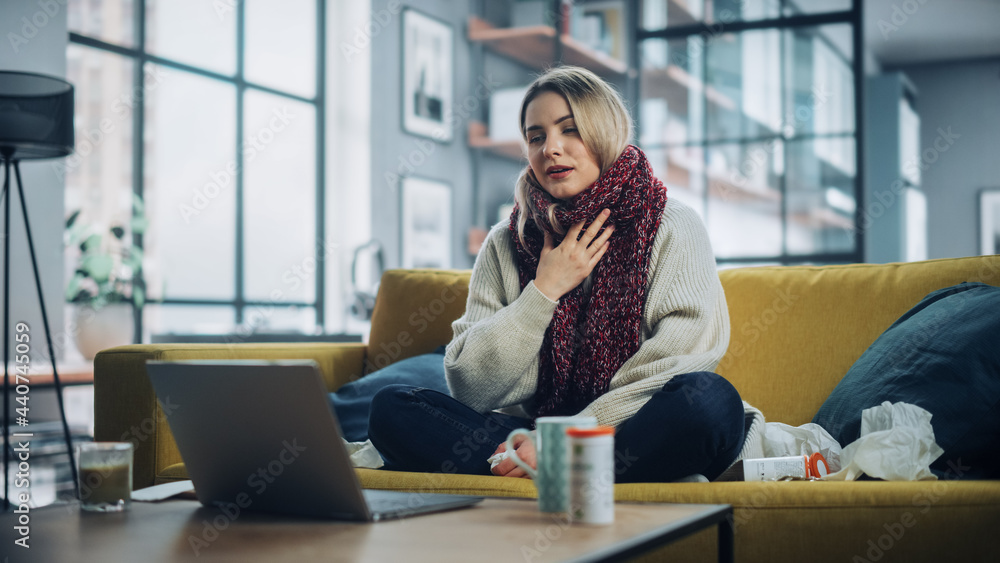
(213, 113)
(747, 111)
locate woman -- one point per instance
(599, 297)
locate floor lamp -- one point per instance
(36, 121)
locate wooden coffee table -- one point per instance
(494, 530)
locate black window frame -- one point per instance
(790, 19)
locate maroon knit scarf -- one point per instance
(589, 339)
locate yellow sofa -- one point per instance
(795, 332)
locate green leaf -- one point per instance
(74, 286)
(92, 242)
(75, 233)
(139, 225)
(81, 297)
(98, 266)
(139, 296)
(119, 232)
(72, 218)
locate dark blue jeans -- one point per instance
(694, 424)
(352, 402)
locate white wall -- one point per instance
(351, 29)
(959, 107)
(33, 37)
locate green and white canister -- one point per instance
(592, 474)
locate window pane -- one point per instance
(796, 7)
(194, 32)
(744, 71)
(673, 98)
(187, 319)
(658, 14)
(99, 172)
(820, 191)
(744, 206)
(281, 45)
(107, 20)
(280, 201)
(189, 183)
(278, 318)
(681, 171)
(820, 88)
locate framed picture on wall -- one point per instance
(427, 76)
(989, 221)
(425, 226)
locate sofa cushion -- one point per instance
(413, 313)
(944, 356)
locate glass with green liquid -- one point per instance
(105, 476)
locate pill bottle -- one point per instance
(592, 474)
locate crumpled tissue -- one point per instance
(364, 454)
(494, 460)
(896, 443)
(782, 440)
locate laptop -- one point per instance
(261, 435)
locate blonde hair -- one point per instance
(604, 124)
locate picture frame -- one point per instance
(427, 55)
(425, 223)
(989, 221)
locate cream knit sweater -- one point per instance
(492, 361)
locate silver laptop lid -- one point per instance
(259, 434)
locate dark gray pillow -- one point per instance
(943, 355)
(352, 402)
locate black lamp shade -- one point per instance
(36, 116)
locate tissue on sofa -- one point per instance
(364, 454)
(782, 440)
(896, 443)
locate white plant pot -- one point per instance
(110, 326)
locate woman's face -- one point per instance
(556, 153)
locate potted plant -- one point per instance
(107, 282)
